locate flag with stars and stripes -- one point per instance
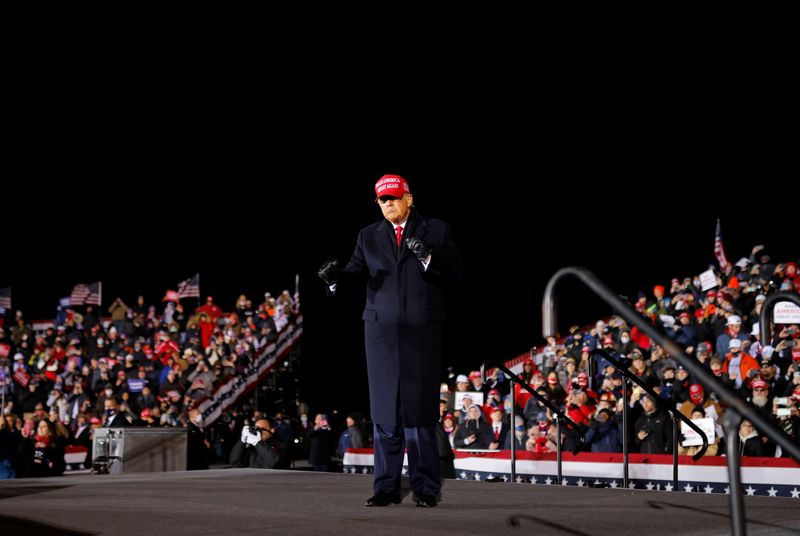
(190, 288)
(719, 251)
(5, 298)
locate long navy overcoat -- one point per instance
(403, 317)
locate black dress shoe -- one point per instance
(427, 501)
(382, 500)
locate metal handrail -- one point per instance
(660, 401)
(728, 395)
(765, 320)
(561, 417)
(737, 406)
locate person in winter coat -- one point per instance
(604, 434)
(409, 261)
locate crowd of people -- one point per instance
(149, 367)
(143, 366)
(718, 327)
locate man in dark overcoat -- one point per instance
(408, 261)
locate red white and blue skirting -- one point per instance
(768, 477)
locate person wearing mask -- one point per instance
(112, 418)
(41, 454)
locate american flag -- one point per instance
(79, 294)
(172, 296)
(95, 294)
(5, 298)
(719, 251)
(189, 288)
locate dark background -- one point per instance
(141, 213)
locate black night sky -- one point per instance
(248, 213)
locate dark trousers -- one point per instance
(423, 459)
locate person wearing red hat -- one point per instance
(408, 260)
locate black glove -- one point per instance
(419, 248)
(329, 272)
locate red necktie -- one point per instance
(497, 432)
(398, 231)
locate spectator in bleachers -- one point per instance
(519, 436)
(450, 427)
(493, 400)
(40, 453)
(604, 434)
(738, 365)
(713, 446)
(555, 392)
(528, 370)
(473, 433)
(10, 441)
(111, 415)
(682, 332)
(653, 428)
(733, 331)
(750, 444)
(568, 372)
(496, 380)
(533, 406)
(499, 429)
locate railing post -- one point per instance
(558, 449)
(730, 422)
(674, 451)
(625, 437)
(513, 432)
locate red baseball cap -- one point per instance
(696, 393)
(393, 185)
(760, 384)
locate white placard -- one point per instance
(708, 280)
(667, 321)
(476, 396)
(786, 312)
(743, 262)
(692, 438)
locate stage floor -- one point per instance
(251, 501)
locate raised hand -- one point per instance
(329, 272)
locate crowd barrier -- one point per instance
(768, 477)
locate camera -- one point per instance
(255, 430)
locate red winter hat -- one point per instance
(393, 185)
(474, 374)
